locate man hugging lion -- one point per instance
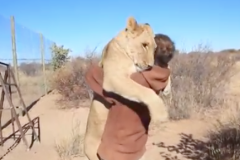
(126, 130)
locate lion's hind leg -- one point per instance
(91, 147)
(95, 126)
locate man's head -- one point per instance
(165, 50)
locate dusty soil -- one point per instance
(57, 124)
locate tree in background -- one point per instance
(60, 56)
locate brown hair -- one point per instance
(165, 50)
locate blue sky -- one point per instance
(85, 24)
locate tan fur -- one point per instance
(168, 89)
(130, 51)
(95, 126)
(125, 55)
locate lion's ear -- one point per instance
(132, 24)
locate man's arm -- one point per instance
(156, 78)
(94, 78)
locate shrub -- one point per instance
(60, 56)
(198, 81)
(69, 80)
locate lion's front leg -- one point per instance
(133, 91)
(167, 89)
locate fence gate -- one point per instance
(6, 82)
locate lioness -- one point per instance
(130, 51)
(133, 45)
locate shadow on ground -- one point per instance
(188, 147)
(224, 145)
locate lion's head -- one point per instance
(140, 43)
(137, 42)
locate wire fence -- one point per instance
(29, 54)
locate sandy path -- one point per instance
(57, 124)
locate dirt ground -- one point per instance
(57, 124)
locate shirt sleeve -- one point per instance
(157, 78)
(94, 79)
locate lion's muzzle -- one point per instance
(143, 68)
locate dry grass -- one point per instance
(31, 78)
(68, 148)
(224, 137)
(198, 82)
(31, 87)
(31, 84)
